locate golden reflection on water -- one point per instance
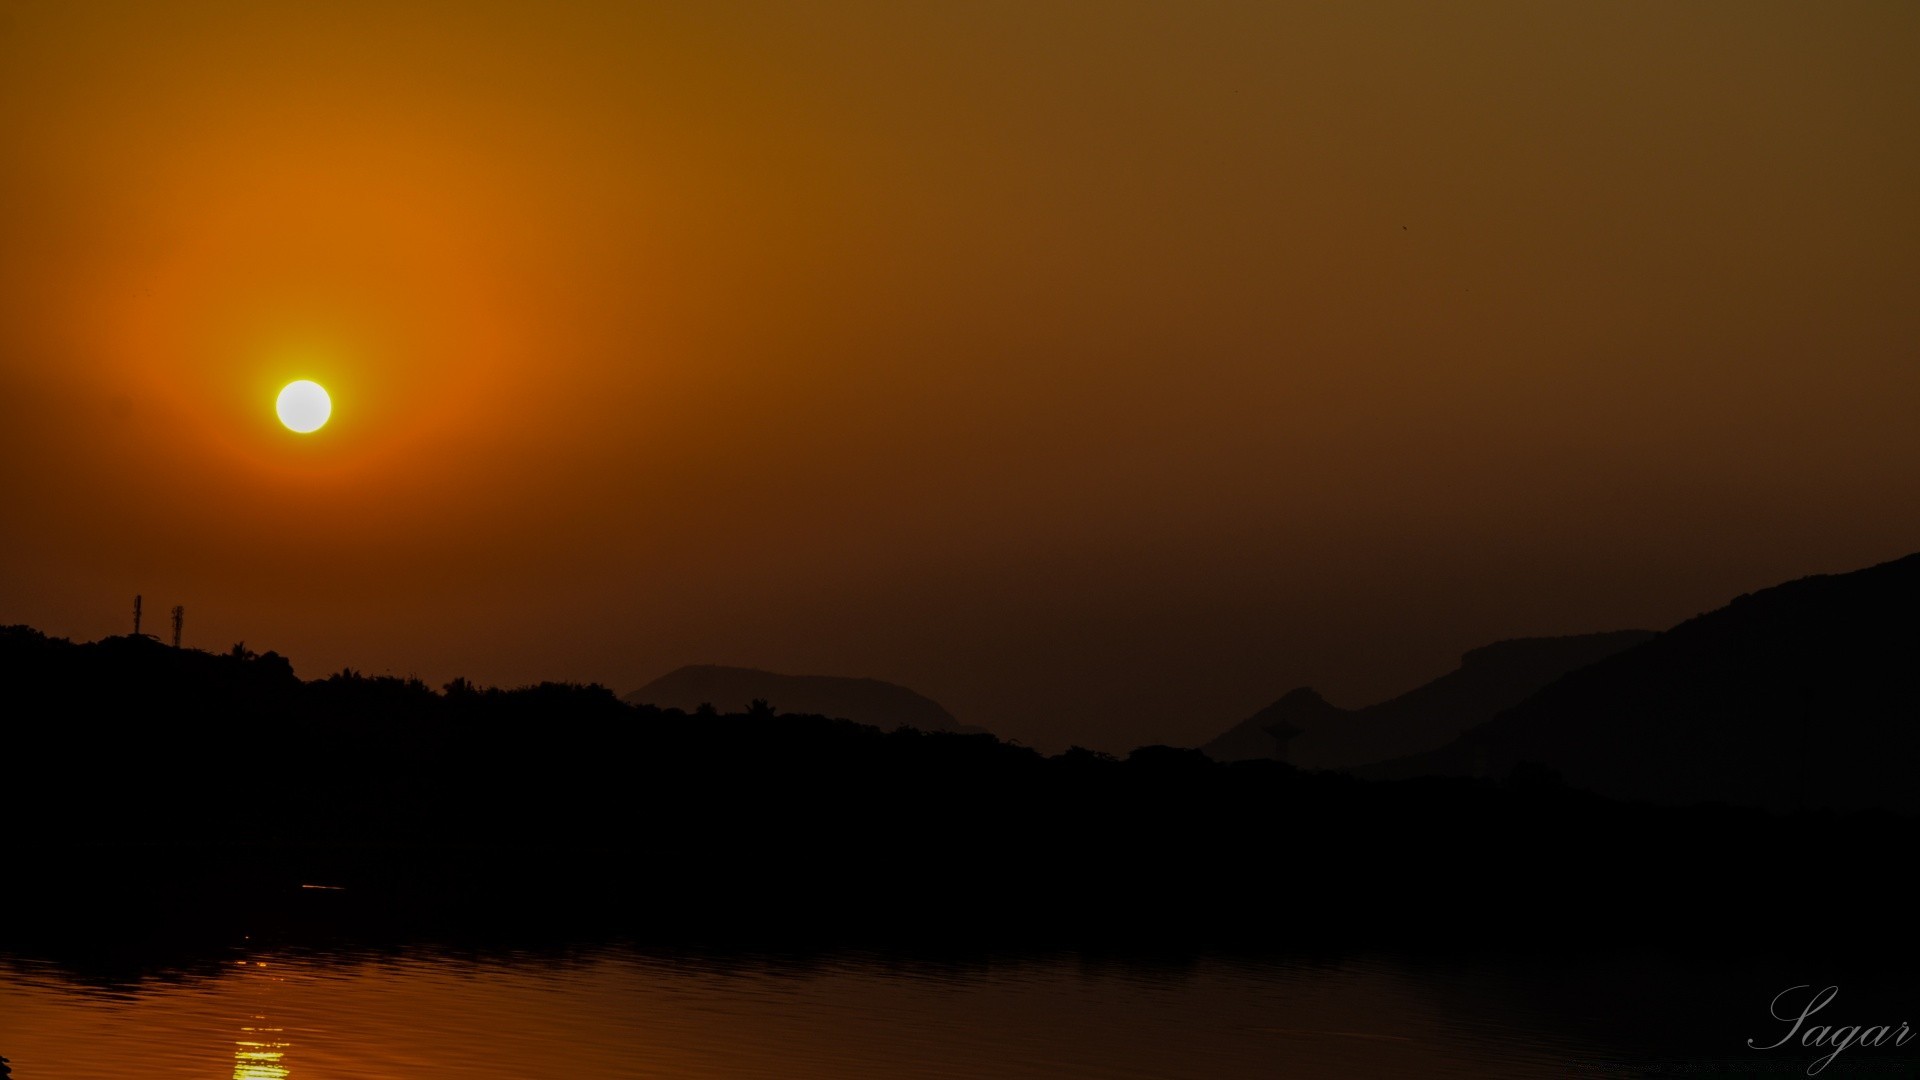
(615, 1014)
(260, 1054)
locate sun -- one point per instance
(304, 406)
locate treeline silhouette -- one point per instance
(868, 701)
(148, 790)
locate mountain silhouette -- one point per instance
(1803, 695)
(1489, 679)
(733, 689)
(149, 787)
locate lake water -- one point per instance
(611, 1011)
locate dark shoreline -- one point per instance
(158, 794)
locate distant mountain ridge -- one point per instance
(149, 787)
(1489, 679)
(864, 701)
(1806, 694)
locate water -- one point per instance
(608, 1012)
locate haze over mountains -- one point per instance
(1489, 679)
(1806, 694)
(563, 799)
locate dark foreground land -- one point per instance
(159, 794)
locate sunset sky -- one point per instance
(1101, 370)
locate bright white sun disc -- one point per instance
(304, 406)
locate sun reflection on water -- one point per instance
(260, 1054)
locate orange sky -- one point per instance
(1100, 370)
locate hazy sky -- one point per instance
(1101, 370)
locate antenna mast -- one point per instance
(179, 616)
(136, 615)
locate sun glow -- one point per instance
(304, 406)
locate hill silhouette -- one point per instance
(1489, 679)
(151, 789)
(1803, 694)
(884, 705)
